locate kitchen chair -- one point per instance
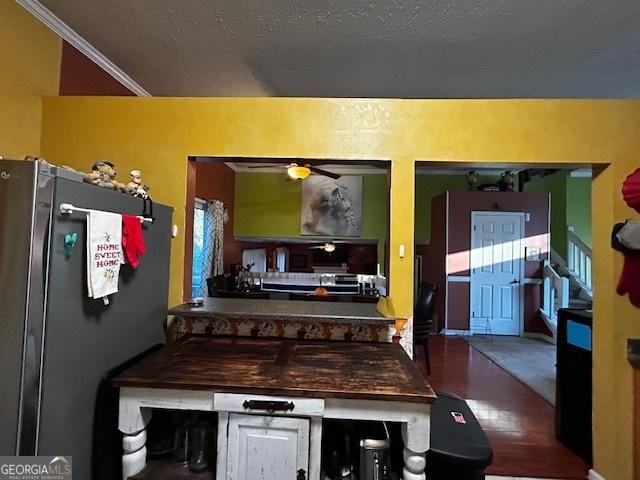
(216, 284)
(423, 319)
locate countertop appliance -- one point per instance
(374, 453)
(56, 343)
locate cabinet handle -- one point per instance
(302, 475)
(268, 405)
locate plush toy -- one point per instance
(506, 182)
(135, 187)
(626, 239)
(103, 174)
(472, 178)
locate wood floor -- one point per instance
(518, 422)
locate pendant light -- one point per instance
(297, 172)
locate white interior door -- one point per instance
(496, 272)
(267, 448)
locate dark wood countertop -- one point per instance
(242, 308)
(283, 367)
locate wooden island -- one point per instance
(276, 392)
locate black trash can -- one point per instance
(459, 448)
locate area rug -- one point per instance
(531, 361)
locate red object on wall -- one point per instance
(628, 282)
(631, 190)
(80, 76)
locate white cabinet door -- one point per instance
(267, 448)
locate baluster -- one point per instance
(548, 301)
(570, 254)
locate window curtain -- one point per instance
(213, 261)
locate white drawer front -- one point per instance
(235, 402)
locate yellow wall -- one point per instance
(156, 135)
(30, 56)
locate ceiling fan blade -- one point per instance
(267, 166)
(326, 173)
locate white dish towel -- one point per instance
(104, 253)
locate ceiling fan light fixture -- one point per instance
(329, 247)
(297, 172)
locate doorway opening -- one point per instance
(506, 248)
(467, 233)
(322, 219)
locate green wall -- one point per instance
(579, 207)
(556, 186)
(570, 206)
(268, 205)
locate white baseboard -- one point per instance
(593, 475)
(451, 331)
(539, 336)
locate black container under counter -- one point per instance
(574, 381)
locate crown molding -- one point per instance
(47, 17)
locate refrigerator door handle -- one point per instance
(35, 321)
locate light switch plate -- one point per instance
(532, 254)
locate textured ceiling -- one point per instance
(373, 48)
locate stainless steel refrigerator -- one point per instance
(56, 344)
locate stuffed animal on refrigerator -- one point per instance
(103, 174)
(135, 186)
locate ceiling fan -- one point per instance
(300, 172)
(327, 247)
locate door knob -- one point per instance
(515, 282)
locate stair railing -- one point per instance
(579, 259)
(555, 292)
